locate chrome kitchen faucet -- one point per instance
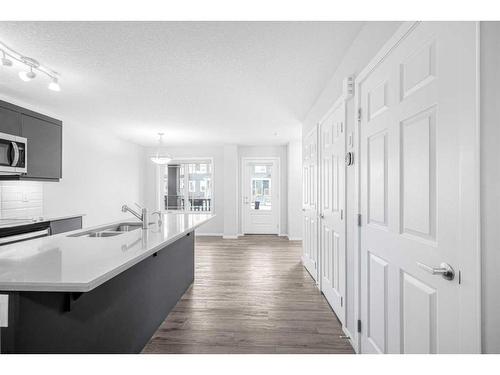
(143, 216)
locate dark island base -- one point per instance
(120, 316)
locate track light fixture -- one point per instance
(32, 67)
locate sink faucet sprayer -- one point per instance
(143, 216)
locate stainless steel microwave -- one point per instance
(13, 154)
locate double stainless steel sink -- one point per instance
(109, 230)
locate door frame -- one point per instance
(470, 324)
(244, 159)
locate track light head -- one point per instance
(54, 85)
(5, 60)
(27, 76)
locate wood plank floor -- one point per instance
(250, 295)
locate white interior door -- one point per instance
(260, 193)
(332, 228)
(310, 203)
(416, 133)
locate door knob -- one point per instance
(349, 159)
(444, 269)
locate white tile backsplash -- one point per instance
(21, 199)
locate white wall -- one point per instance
(294, 175)
(231, 188)
(368, 42)
(270, 151)
(490, 185)
(100, 173)
(227, 180)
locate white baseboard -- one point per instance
(208, 234)
(294, 238)
(351, 339)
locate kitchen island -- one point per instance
(79, 293)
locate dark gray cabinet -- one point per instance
(10, 121)
(65, 225)
(44, 148)
(44, 135)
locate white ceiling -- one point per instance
(199, 82)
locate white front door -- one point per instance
(310, 243)
(332, 226)
(260, 193)
(416, 152)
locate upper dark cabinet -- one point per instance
(10, 121)
(44, 148)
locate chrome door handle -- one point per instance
(444, 269)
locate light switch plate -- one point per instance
(4, 310)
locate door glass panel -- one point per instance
(200, 186)
(261, 187)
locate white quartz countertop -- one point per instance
(79, 264)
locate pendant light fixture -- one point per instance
(160, 157)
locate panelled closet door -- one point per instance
(416, 132)
(310, 257)
(332, 227)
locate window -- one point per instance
(192, 186)
(197, 177)
(261, 197)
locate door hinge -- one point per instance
(359, 114)
(341, 214)
(341, 301)
(359, 326)
(341, 127)
(359, 220)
